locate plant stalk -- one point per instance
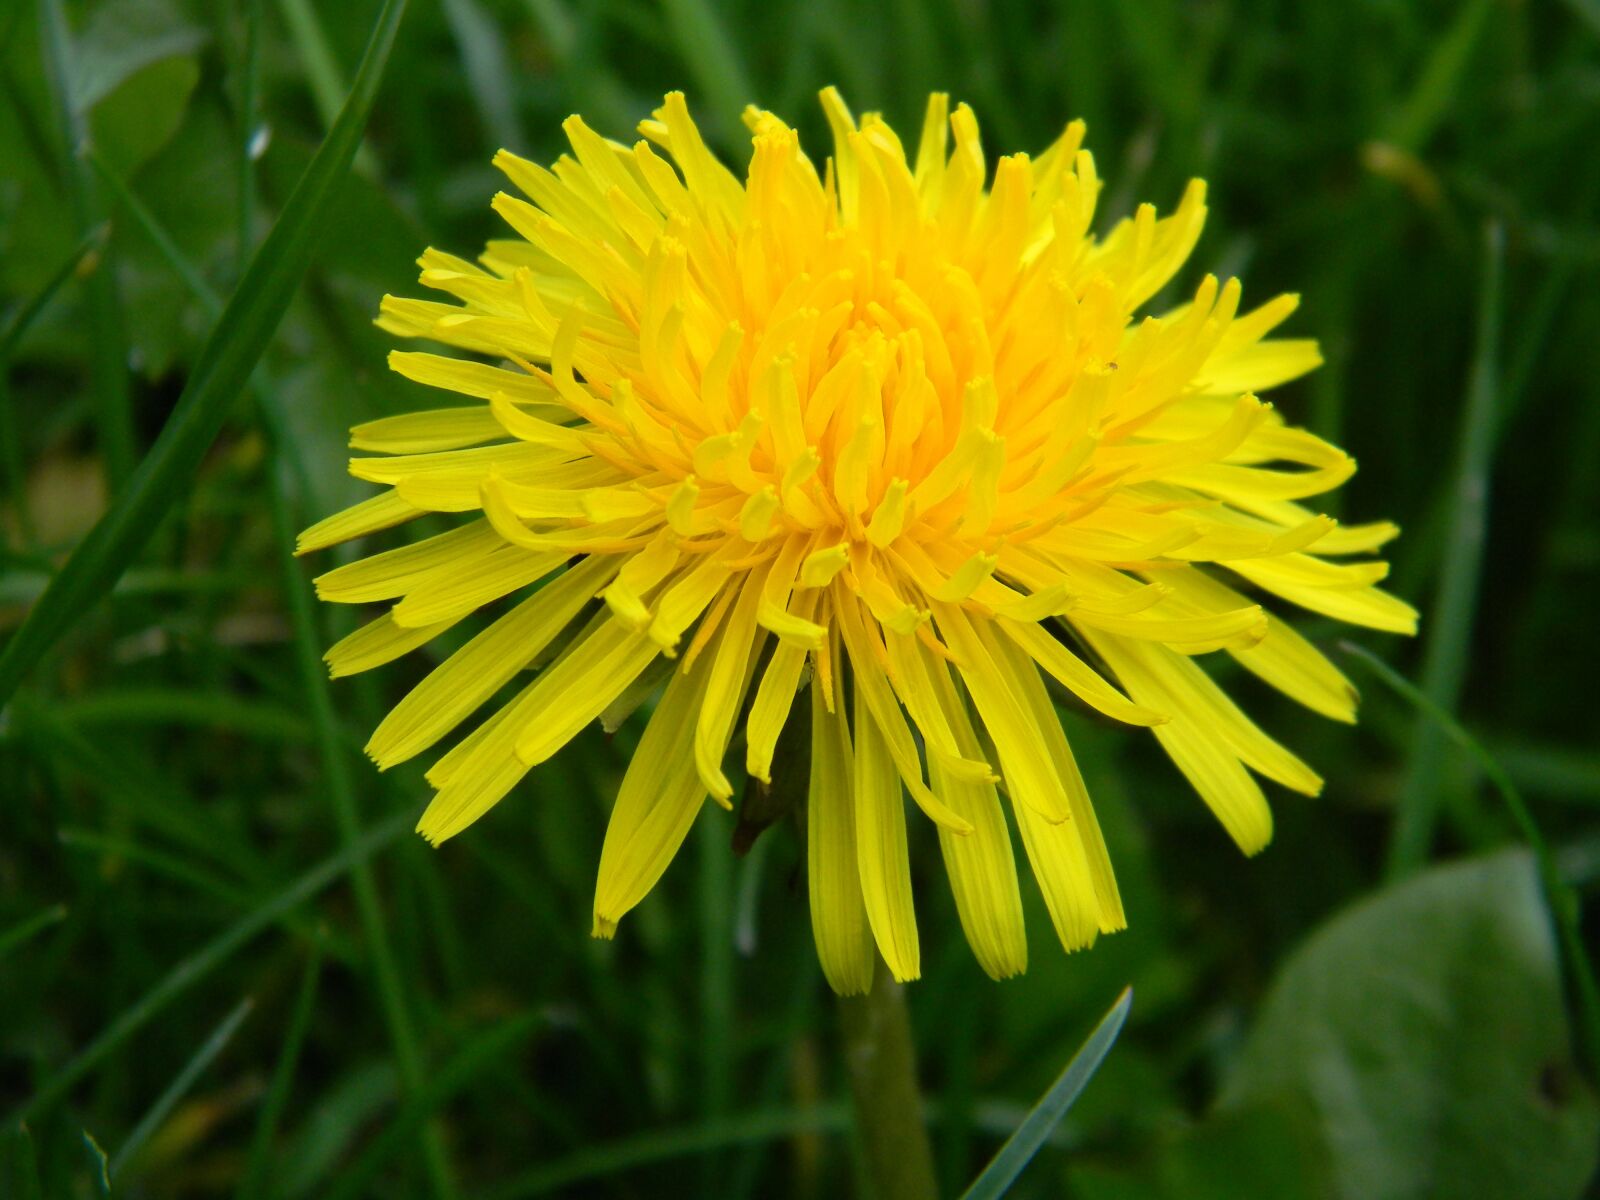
(881, 1061)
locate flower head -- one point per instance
(882, 441)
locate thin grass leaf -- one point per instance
(106, 355)
(1433, 97)
(716, 981)
(166, 864)
(1577, 966)
(23, 318)
(608, 1159)
(99, 1167)
(1455, 604)
(483, 1052)
(713, 61)
(488, 71)
(1002, 1171)
(260, 1161)
(249, 131)
(336, 770)
(11, 457)
(179, 1087)
(19, 933)
(19, 1163)
(163, 807)
(192, 278)
(322, 71)
(211, 711)
(191, 970)
(236, 343)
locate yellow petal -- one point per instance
(394, 572)
(576, 689)
(1210, 765)
(377, 642)
(485, 664)
(458, 588)
(833, 877)
(872, 686)
(1077, 676)
(881, 853)
(739, 643)
(656, 804)
(383, 511)
(430, 430)
(983, 872)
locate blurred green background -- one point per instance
(203, 973)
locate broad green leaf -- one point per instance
(236, 343)
(123, 38)
(1424, 1029)
(1269, 1152)
(137, 119)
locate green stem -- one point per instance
(881, 1061)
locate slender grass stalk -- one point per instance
(881, 1062)
(1449, 626)
(709, 53)
(603, 1160)
(488, 72)
(191, 970)
(716, 980)
(19, 933)
(169, 865)
(996, 1179)
(235, 344)
(168, 1100)
(249, 117)
(1577, 966)
(263, 720)
(11, 456)
(322, 71)
(254, 1184)
(327, 729)
(107, 353)
(1433, 95)
(479, 1055)
(341, 791)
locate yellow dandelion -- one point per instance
(884, 439)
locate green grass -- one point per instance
(225, 959)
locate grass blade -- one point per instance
(489, 75)
(19, 1165)
(1433, 97)
(322, 70)
(606, 1159)
(107, 357)
(23, 930)
(249, 102)
(485, 1051)
(202, 962)
(255, 1172)
(192, 1070)
(236, 343)
(1450, 623)
(710, 55)
(1577, 967)
(11, 457)
(1022, 1145)
(330, 738)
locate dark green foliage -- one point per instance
(190, 830)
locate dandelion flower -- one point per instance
(885, 443)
